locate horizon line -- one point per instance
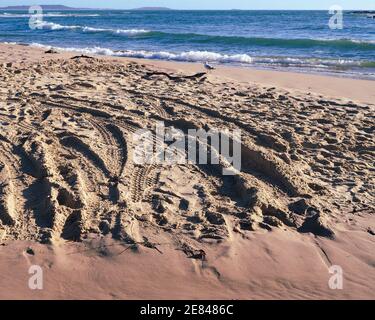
(172, 9)
(136, 9)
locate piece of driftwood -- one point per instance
(51, 51)
(174, 78)
(82, 56)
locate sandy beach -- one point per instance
(102, 227)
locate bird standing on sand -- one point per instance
(208, 66)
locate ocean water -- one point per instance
(287, 40)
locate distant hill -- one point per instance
(153, 9)
(44, 7)
(62, 8)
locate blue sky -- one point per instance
(206, 4)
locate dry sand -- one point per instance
(304, 199)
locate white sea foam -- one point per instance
(201, 56)
(56, 14)
(307, 62)
(47, 25)
(129, 32)
(189, 56)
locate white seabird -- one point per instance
(208, 66)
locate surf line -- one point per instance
(151, 310)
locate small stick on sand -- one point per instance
(82, 56)
(174, 78)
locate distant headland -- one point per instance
(44, 7)
(66, 8)
(153, 9)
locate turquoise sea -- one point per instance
(291, 40)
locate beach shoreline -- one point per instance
(326, 85)
(102, 227)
